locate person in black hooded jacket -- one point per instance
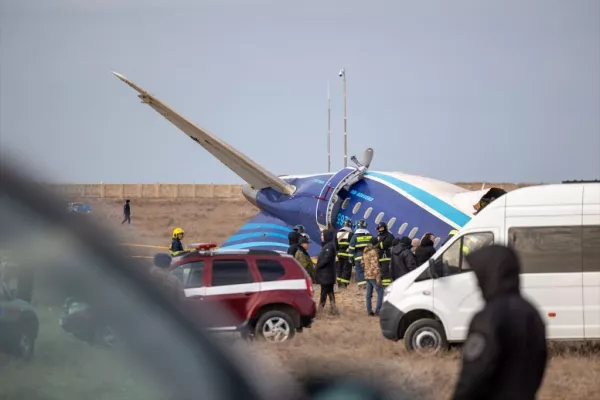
(403, 260)
(424, 252)
(325, 270)
(293, 239)
(505, 354)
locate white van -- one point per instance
(556, 232)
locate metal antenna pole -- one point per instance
(343, 75)
(328, 128)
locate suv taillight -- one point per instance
(309, 286)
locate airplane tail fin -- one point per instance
(245, 168)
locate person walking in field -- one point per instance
(126, 212)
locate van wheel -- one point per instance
(425, 336)
(275, 326)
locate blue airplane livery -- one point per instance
(410, 205)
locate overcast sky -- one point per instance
(505, 90)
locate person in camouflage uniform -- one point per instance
(370, 264)
(304, 259)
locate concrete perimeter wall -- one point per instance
(191, 191)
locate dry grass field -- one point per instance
(351, 341)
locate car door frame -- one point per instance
(235, 297)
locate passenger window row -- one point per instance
(390, 223)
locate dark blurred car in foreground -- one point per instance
(18, 325)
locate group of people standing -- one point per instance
(380, 260)
(376, 260)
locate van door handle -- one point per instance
(426, 292)
(247, 293)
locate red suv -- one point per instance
(268, 294)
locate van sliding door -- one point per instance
(551, 263)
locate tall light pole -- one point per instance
(342, 75)
(328, 128)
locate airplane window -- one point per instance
(402, 228)
(436, 241)
(345, 203)
(368, 212)
(379, 218)
(413, 232)
(391, 222)
(356, 208)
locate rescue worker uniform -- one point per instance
(176, 247)
(385, 240)
(505, 354)
(360, 239)
(344, 261)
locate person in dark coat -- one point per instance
(505, 354)
(424, 252)
(403, 260)
(293, 239)
(384, 245)
(126, 212)
(325, 270)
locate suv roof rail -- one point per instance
(583, 181)
(234, 252)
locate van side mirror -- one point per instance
(162, 260)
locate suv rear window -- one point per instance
(230, 272)
(270, 270)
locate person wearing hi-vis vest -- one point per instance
(360, 239)
(344, 262)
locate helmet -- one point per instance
(177, 231)
(299, 228)
(348, 223)
(382, 225)
(361, 224)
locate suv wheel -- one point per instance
(275, 326)
(426, 337)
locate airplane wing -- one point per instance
(245, 168)
(265, 232)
